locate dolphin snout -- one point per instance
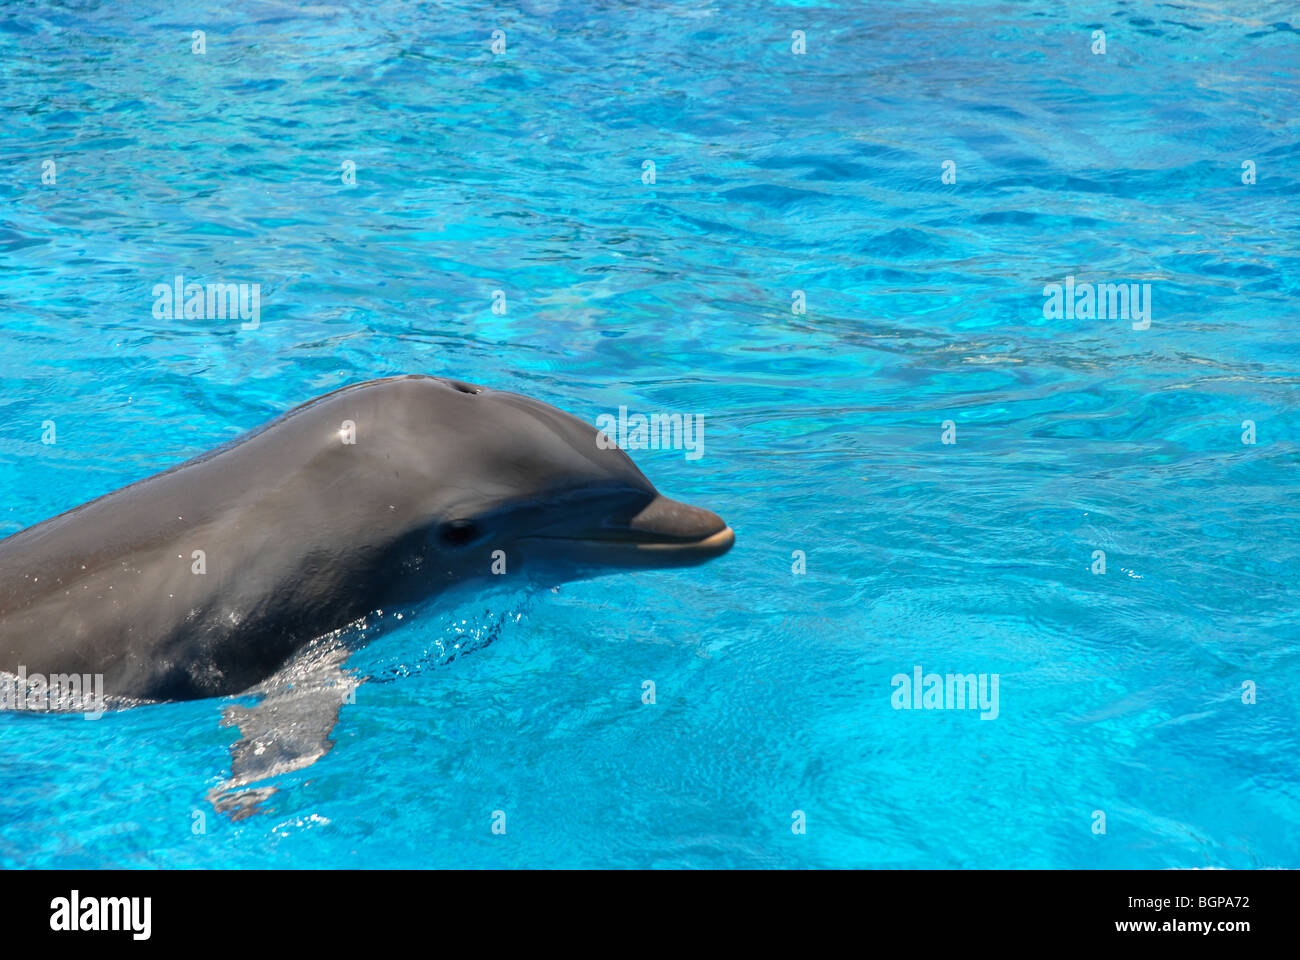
(660, 533)
(679, 531)
(674, 521)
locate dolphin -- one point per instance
(205, 579)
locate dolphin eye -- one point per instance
(457, 533)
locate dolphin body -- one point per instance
(207, 578)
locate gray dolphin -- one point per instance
(203, 580)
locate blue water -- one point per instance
(522, 171)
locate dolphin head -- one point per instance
(518, 483)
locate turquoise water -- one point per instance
(774, 172)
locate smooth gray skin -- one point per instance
(305, 534)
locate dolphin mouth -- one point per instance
(715, 544)
(664, 533)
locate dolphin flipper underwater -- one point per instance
(208, 578)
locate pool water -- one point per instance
(922, 318)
